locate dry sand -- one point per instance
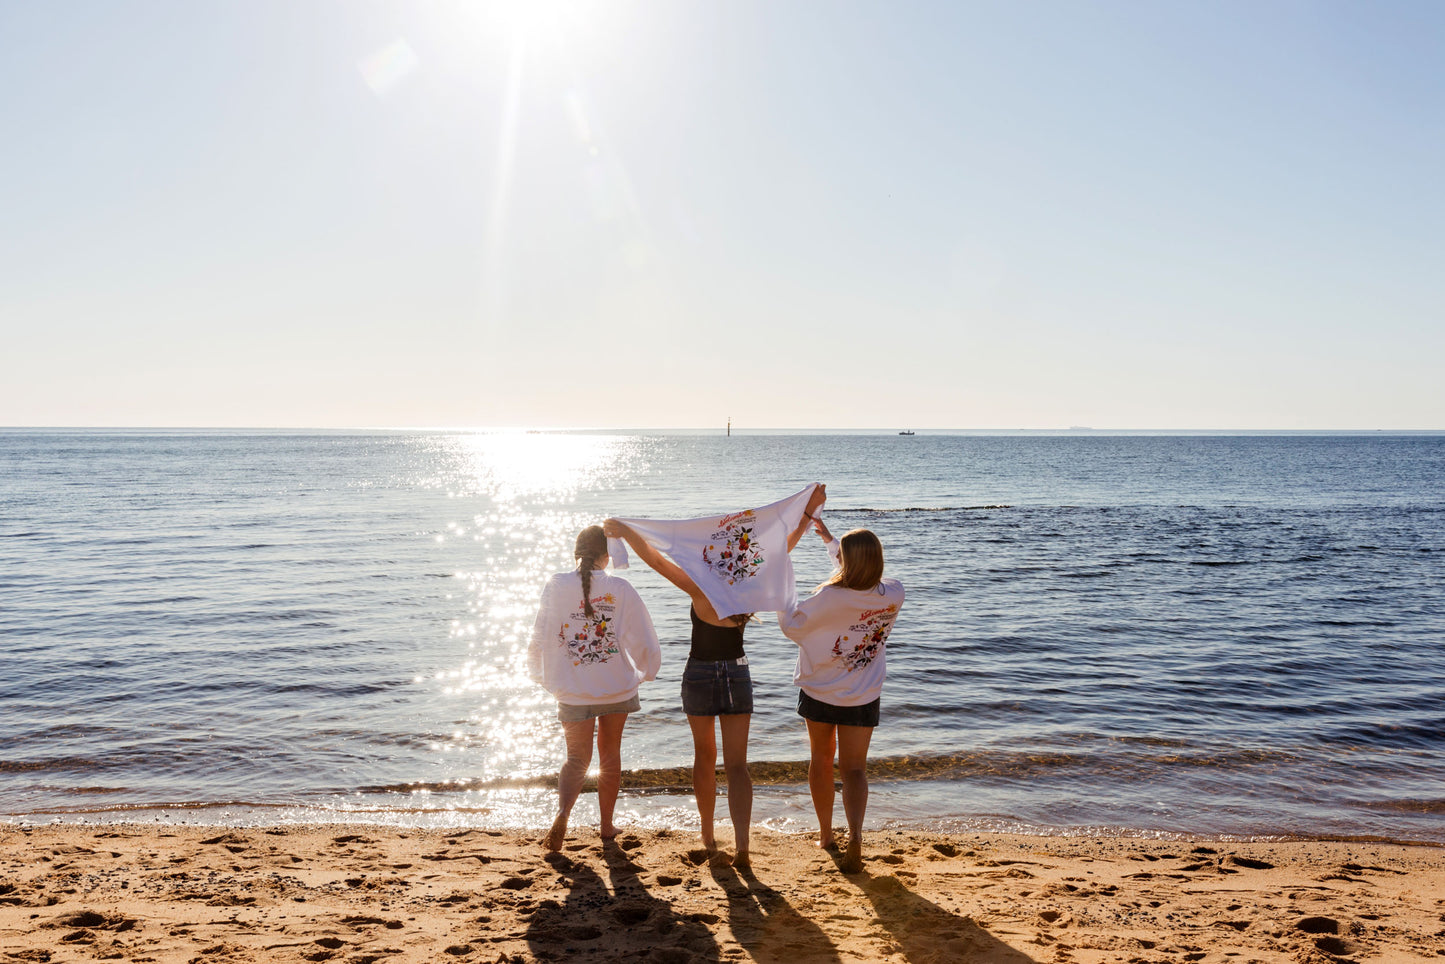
(362, 894)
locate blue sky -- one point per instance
(827, 214)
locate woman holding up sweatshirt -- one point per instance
(842, 631)
(717, 692)
(592, 644)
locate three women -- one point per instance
(841, 631)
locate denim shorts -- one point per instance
(717, 688)
(820, 712)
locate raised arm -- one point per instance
(815, 501)
(663, 566)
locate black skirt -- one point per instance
(820, 712)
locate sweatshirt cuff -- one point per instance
(617, 549)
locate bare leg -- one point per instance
(822, 741)
(853, 763)
(704, 774)
(609, 762)
(740, 783)
(569, 781)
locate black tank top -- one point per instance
(711, 643)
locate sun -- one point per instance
(533, 21)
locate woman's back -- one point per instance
(711, 642)
(841, 635)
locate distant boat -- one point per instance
(906, 431)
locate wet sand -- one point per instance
(361, 895)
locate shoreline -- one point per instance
(183, 816)
(366, 894)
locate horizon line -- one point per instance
(696, 429)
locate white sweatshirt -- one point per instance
(584, 661)
(740, 561)
(841, 636)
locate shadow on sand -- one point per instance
(927, 933)
(622, 922)
(769, 927)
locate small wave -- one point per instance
(286, 615)
(907, 768)
(916, 508)
(89, 790)
(164, 806)
(1403, 806)
(61, 763)
(331, 689)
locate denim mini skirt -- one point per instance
(717, 687)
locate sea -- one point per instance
(1161, 635)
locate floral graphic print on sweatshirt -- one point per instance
(739, 560)
(734, 553)
(863, 642)
(591, 639)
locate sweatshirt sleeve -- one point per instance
(641, 643)
(794, 623)
(541, 634)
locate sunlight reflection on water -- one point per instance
(526, 486)
(533, 466)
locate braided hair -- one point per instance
(590, 550)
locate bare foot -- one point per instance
(826, 843)
(743, 860)
(716, 858)
(852, 862)
(556, 836)
(609, 831)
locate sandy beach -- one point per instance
(361, 894)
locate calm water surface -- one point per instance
(1153, 634)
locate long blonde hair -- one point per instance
(860, 561)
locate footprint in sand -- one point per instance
(630, 915)
(1248, 863)
(226, 838)
(93, 919)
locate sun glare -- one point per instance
(509, 465)
(530, 19)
